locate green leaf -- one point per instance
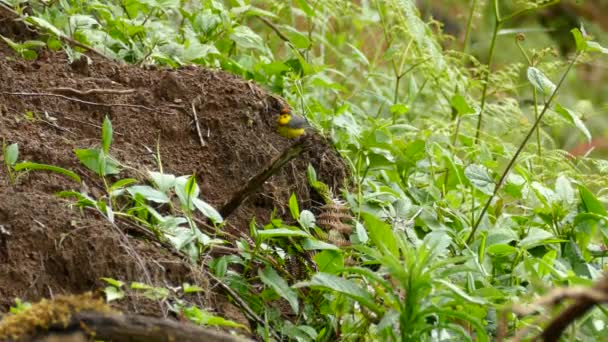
(459, 103)
(293, 206)
(590, 202)
(314, 244)
(399, 109)
(207, 210)
(304, 6)
(381, 234)
(581, 42)
(164, 182)
(501, 250)
(329, 261)
(281, 232)
(540, 81)
(186, 189)
(192, 288)
(596, 47)
(563, 189)
(113, 282)
(113, 293)
(307, 219)
(245, 38)
(461, 293)
(347, 287)
(201, 317)
(271, 278)
(149, 193)
(535, 237)
(480, 178)
(11, 154)
(361, 233)
(574, 119)
(41, 23)
(44, 167)
(29, 55)
(97, 161)
(106, 135)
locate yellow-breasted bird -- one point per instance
(291, 125)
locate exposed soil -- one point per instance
(48, 248)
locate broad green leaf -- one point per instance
(122, 183)
(304, 6)
(164, 182)
(381, 234)
(281, 232)
(535, 237)
(245, 38)
(307, 219)
(96, 161)
(207, 210)
(41, 23)
(574, 119)
(361, 233)
(590, 202)
(186, 189)
(461, 293)
(540, 81)
(314, 244)
(113, 293)
(347, 287)
(271, 278)
(329, 261)
(596, 47)
(43, 167)
(202, 317)
(563, 188)
(149, 193)
(501, 250)
(11, 154)
(480, 178)
(459, 103)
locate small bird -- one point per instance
(291, 125)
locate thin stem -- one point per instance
(487, 78)
(534, 95)
(469, 25)
(520, 149)
(535, 98)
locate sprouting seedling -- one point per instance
(99, 160)
(11, 155)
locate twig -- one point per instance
(72, 91)
(198, 127)
(254, 183)
(80, 101)
(274, 28)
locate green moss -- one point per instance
(47, 313)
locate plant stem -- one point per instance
(484, 94)
(469, 24)
(520, 148)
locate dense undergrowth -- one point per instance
(462, 204)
